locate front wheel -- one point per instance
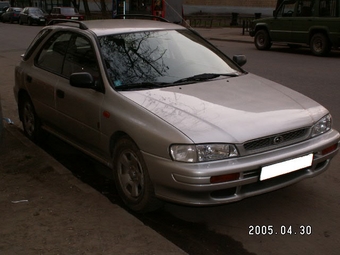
(262, 40)
(320, 45)
(132, 178)
(30, 120)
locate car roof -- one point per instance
(118, 26)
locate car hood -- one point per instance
(231, 110)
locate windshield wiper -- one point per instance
(204, 77)
(141, 85)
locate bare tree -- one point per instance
(86, 8)
(103, 7)
(76, 4)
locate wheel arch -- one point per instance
(115, 137)
(319, 30)
(21, 95)
(262, 26)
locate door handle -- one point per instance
(60, 93)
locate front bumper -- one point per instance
(189, 183)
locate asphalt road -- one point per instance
(311, 204)
(304, 217)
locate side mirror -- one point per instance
(83, 80)
(240, 59)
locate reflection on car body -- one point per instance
(33, 15)
(173, 116)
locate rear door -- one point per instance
(42, 78)
(303, 21)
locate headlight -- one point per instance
(322, 126)
(202, 152)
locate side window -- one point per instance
(305, 8)
(287, 9)
(80, 57)
(34, 44)
(52, 55)
(327, 8)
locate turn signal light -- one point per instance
(224, 178)
(329, 149)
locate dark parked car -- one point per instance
(3, 7)
(11, 15)
(33, 15)
(65, 13)
(173, 117)
(312, 23)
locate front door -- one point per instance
(79, 109)
(281, 26)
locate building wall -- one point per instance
(242, 3)
(225, 7)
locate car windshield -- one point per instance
(36, 11)
(162, 58)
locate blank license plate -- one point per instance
(286, 167)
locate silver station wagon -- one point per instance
(174, 118)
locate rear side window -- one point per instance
(52, 55)
(327, 8)
(35, 43)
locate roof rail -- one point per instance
(145, 16)
(57, 21)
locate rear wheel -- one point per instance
(132, 178)
(262, 40)
(320, 45)
(30, 120)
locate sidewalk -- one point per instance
(232, 34)
(44, 209)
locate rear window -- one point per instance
(35, 43)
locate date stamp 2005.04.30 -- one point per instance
(256, 230)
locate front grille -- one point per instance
(277, 140)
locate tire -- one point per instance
(262, 40)
(29, 22)
(30, 120)
(132, 178)
(320, 45)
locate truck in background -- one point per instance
(313, 23)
